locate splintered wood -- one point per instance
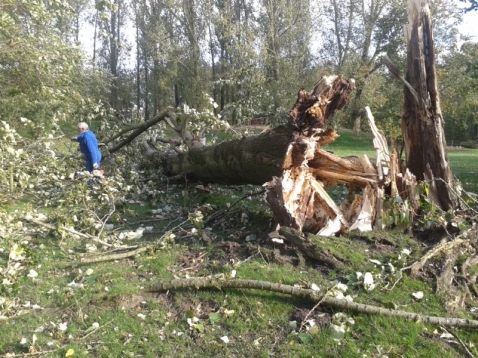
(300, 200)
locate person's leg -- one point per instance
(89, 165)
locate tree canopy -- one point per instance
(120, 61)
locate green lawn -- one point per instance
(349, 143)
(464, 162)
(100, 309)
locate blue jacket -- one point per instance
(89, 147)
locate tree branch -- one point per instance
(391, 67)
(137, 130)
(315, 296)
(71, 231)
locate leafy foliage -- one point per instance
(39, 68)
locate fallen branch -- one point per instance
(446, 246)
(315, 296)
(124, 255)
(70, 230)
(33, 354)
(119, 256)
(463, 345)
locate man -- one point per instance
(89, 147)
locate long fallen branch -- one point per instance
(314, 296)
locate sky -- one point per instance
(470, 24)
(468, 27)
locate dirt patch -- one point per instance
(321, 319)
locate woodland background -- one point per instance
(121, 61)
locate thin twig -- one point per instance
(89, 334)
(315, 307)
(33, 354)
(113, 257)
(467, 351)
(124, 255)
(71, 231)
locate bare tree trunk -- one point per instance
(422, 122)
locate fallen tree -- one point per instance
(290, 162)
(257, 159)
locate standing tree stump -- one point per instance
(422, 121)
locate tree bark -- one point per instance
(250, 160)
(422, 121)
(256, 160)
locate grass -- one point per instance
(133, 323)
(463, 162)
(352, 144)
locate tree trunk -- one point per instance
(250, 160)
(256, 160)
(422, 122)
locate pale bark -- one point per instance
(314, 296)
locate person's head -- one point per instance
(82, 127)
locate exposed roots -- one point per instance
(453, 280)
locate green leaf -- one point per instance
(90, 279)
(305, 338)
(214, 317)
(369, 267)
(199, 328)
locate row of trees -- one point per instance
(248, 57)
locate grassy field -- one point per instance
(101, 310)
(464, 162)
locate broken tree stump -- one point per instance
(299, 198)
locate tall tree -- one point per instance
(355, 34)
(155, 56)
(458, 86)
(286, 33)
(232, 26)
(111, 20)
(40, 72)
